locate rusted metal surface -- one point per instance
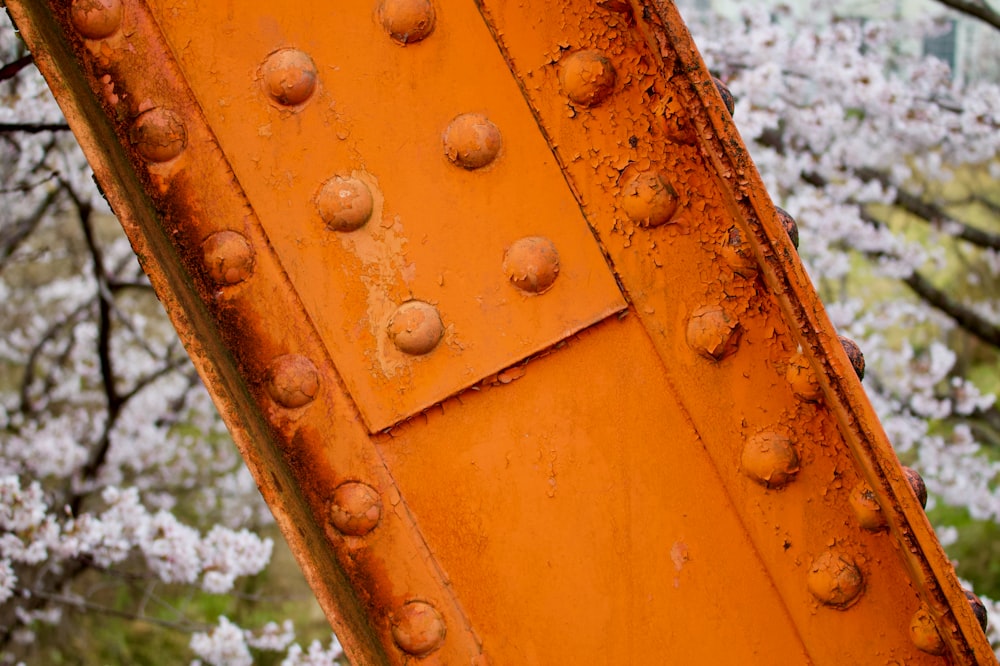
(507, 329)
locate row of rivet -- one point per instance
(292, 380)
(770, 459)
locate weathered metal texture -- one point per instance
(513, 340)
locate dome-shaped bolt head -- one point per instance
(866, 507)
(417, 628)
(727, 97)
(292, 381)
(587, 77)
(924, 633)
(835, 580)
(228, 257)
(854, 354)
(917, 484)
(789, 224)
(978, 608)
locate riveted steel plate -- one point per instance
(438, 231)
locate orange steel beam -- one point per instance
(507, 329)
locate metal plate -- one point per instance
(438, 232)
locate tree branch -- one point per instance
(976, 9)
(11, 69)
(964, 316)
(34, 128)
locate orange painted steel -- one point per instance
(507, 329)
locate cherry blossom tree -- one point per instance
(116, 472)
(890, 162)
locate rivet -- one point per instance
(531, 264)
(355, 508)
(770, 459)
(415, 328)
(835, 580)
(472, 141)
(737, 253)
(587, 77)
(916, 484)
(789, 224)
(713, 333)
(345, 204)
(158, 135)
(647, 198)
(802, 379)
(228, 256)
(418, 628)
(978, 608)
(924, 633)
(407, 21)
(727, 97)
(292, 381)
(866, 507)
(96, 19)
(854, 354)
(288, 77)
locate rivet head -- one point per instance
(713, 333)
(158, 135)
(355, 508)
(835, 580)
(407, 21)
(866, 507)
(802, 379)
(587, 77)
(737, 253)
(288, 77)
(789, 224)
(770, 459)
(978, 608)
(532, 264)
(345, 204)
(924, 633)
(96, 19)
(228, 256)
(916, 484)
(472, 141)
(727, 97)
(647, 198)
(292, 381)
(418, 628)
(854, 354)
(415, 328)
